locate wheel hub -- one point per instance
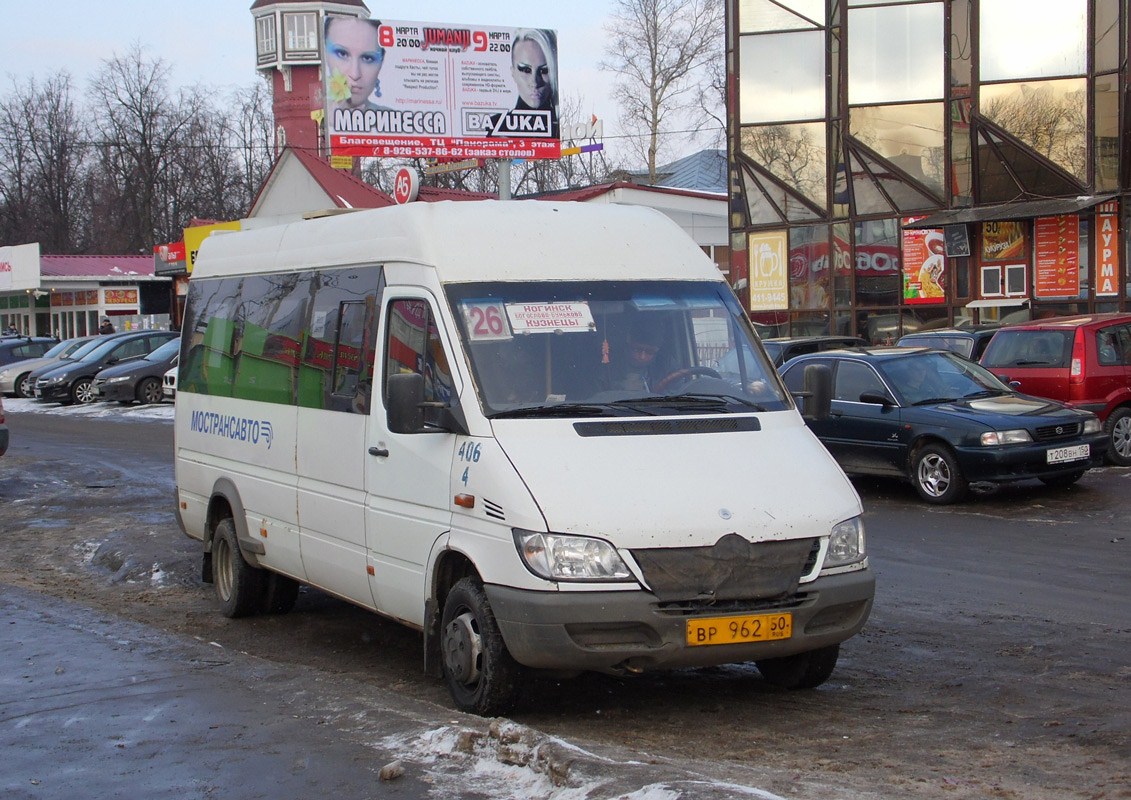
(934, 476)
(462, 647)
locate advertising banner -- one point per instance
(1056, 250)
(769, 278)
(196, 235)
(924, 265)
(1003, 241)
(427, 90)
(1107, 250)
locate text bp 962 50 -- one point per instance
(735, 630)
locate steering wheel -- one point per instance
(685, 376)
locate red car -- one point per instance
(1084, 361)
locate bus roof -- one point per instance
(484, 240)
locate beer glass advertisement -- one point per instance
(924, 265)
(428, 90)
(769, 287)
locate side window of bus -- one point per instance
(337, 364)
(273, 310)
(209, 337)
(413, 344)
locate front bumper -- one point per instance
(1021, 462)
(631, 631)
(56, 393)
(121, 392)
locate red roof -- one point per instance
(264, 3)
(589, 192)
(124, 267)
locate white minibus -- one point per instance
(543, 434)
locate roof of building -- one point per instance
(103, 267)
(705, 171)
(258, 4)
(345, 190)
(584, 193)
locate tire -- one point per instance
(239, 586)
(1118, 428)
(481, 675)
(1061, 481)
(937, 478)
(23, 387)
(149, 391)
(82, 391)
(279, 594)
(801, 671)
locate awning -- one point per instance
(999, 302)
(1026, 209)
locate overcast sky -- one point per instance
(213, 41)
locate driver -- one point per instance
(638, 359)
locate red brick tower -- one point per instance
(287, 49)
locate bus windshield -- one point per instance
(612, 348)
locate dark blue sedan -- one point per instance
(944, 423)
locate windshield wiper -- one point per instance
(557, 410)
(931, 400)
(705, 402)
(984, 393)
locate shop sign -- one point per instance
(1107, 250)
(1003, 241)
(1056, 249)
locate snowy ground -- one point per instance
(159, 411)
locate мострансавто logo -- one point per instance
(230, 426)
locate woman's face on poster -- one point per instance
(353, 51)
(531, 73)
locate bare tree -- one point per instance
(658, 50)
(41, 164)
(1050, 122)
(142, 128)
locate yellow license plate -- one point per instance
(736, 630)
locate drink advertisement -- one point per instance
(428, 90)
(769, 276)
(924, 265)
(1057, 253)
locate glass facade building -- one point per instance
(896, 166)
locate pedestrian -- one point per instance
(106, 327)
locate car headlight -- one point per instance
(119, 379)
(3, 374)
(53, 380)
(846, 543)
(1006, 437)
(559, 557)
(1091, 424)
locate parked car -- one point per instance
(15, 377)
(782, 349)
(137, 379)
(71, 381)
(3, 429)
(969, 342)
(1083, 361)
(944, 422)
(25, 347)
(169, 384)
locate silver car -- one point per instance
(14, 376)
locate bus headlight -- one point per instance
(846, 543)
(560, 557)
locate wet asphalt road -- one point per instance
(972, 600)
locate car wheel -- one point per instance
(1118, 427)
(936, 475)
(1059, 481)
(82, 391)
(23, 385)
(149, 391)
(480, 673)
(239, 586)
(800, 671)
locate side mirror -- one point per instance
(817, 398)
(406, 399)
(876, 398)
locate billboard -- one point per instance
(924, 264)
(428, 90)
